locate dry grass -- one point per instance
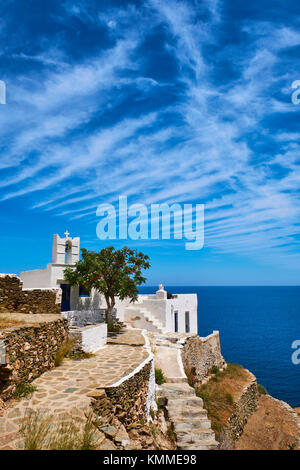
(8, 321)
(271, 427)
(220, 392)
(63, 351)
(79, 355)
(191, 375)
(23, 390)
(42, 431)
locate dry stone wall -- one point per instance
(127, 401)
(199, 355)
(14, 299)
(27, 352)
(244, 407)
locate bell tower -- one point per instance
(65, 250)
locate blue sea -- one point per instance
(257, 326)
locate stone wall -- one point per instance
(127, 400)
(28, 351)
(244, 407)
(14, 299)
(200, 354)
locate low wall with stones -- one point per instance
(14, 299)
(244, 407)
(89, 338)
(199, 355)
(80, 318)
(27, 352)
(127, 400)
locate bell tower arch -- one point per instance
(65, 250)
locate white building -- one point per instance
(164, 312)
(65, 253)
(161, 312)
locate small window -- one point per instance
(83, 292)
(187, 322)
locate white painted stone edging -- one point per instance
(139, 367)
(151, 384)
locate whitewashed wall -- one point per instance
(90, 338)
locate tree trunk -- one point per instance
(108, 315)
(108, 312)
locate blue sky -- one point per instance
(162, 101)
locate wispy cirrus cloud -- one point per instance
(171, 108)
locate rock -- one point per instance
(1, 405)
(121, 435)
(134, 434)
(148, 441)
(109, 431)
(133, 426)
(98, 438)
(145, 432)
(97, 394)
(125, 443)
(107, 445)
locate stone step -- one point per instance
(210, 444)
(195, 436)
(175, 390)
(183, 402)
(145, 316)
(173, 380)
(186, 411)
(193, 425)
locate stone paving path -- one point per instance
(64, 390)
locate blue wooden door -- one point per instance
(65, 298)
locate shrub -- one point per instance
(153, 430)
(159, 377)
(115, 326)
(215, 370)
(261, 390)
(171, 433)
(229, 398)
(23, 390)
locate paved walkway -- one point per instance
(64, 390)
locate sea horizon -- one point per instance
(256, 329)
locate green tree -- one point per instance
(113, 273)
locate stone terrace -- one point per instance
(65, 389)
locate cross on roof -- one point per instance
(66, 234)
